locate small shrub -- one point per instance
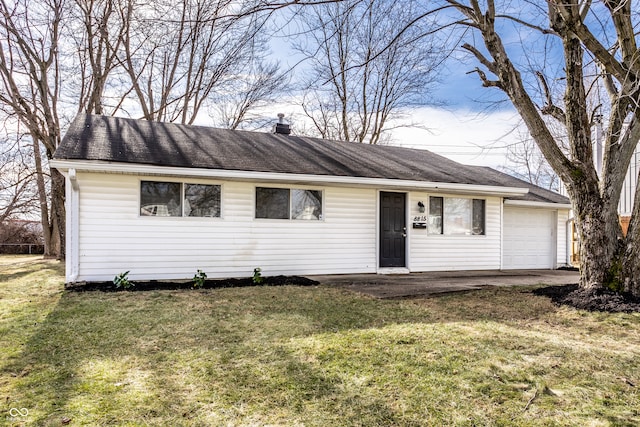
(257, 276)
(199, 279)
(21, 237)
(122, 281)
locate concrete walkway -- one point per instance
(424, 284)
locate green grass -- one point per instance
(316, 356)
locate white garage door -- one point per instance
(529, 238)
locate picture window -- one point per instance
(456, 216)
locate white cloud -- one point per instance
(461, 135)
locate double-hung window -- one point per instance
(179, 199)
(456, 216)
(285, 203)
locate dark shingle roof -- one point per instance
(124, 140)
(535, 194)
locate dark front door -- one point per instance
(393, 229)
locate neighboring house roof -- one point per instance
(130, 141)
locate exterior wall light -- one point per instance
(420, 207)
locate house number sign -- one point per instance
(420, 221)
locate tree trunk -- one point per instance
(42, 195)
(52, 220)
(607, 258)
(600, 242)
(58, 215)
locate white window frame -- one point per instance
(443, 217)
(182, 185)
(291, 190)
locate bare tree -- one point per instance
(18, 191)
(39, 81)
(260, 84)
(583, 36)
(200, 47)
(525, 161)
(363, 69)
(30, 88)
(62, 57)
(96, 28)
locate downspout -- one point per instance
(74, 180)
(73, 215)
(502, 234)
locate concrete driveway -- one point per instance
(425, 284)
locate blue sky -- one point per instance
(472, 126)
(469, 126)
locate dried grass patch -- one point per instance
(312, 356)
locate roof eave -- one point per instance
(273, 177)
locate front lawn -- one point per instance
(306, 356)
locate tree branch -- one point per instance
(491, 66)
(528, 25)
(550, 108)
(485, 81)
(601, 53)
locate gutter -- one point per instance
(531, 204)
(275, 177)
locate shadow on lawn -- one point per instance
(12, 276)
(167, 357)
(18, 275)
(207, 357)
(19, 268)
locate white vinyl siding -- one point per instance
(429, 252)
(627, 195)
(114, 238)
(111, 237)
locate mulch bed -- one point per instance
(158, 285)
(571, 295)
(591, 300)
